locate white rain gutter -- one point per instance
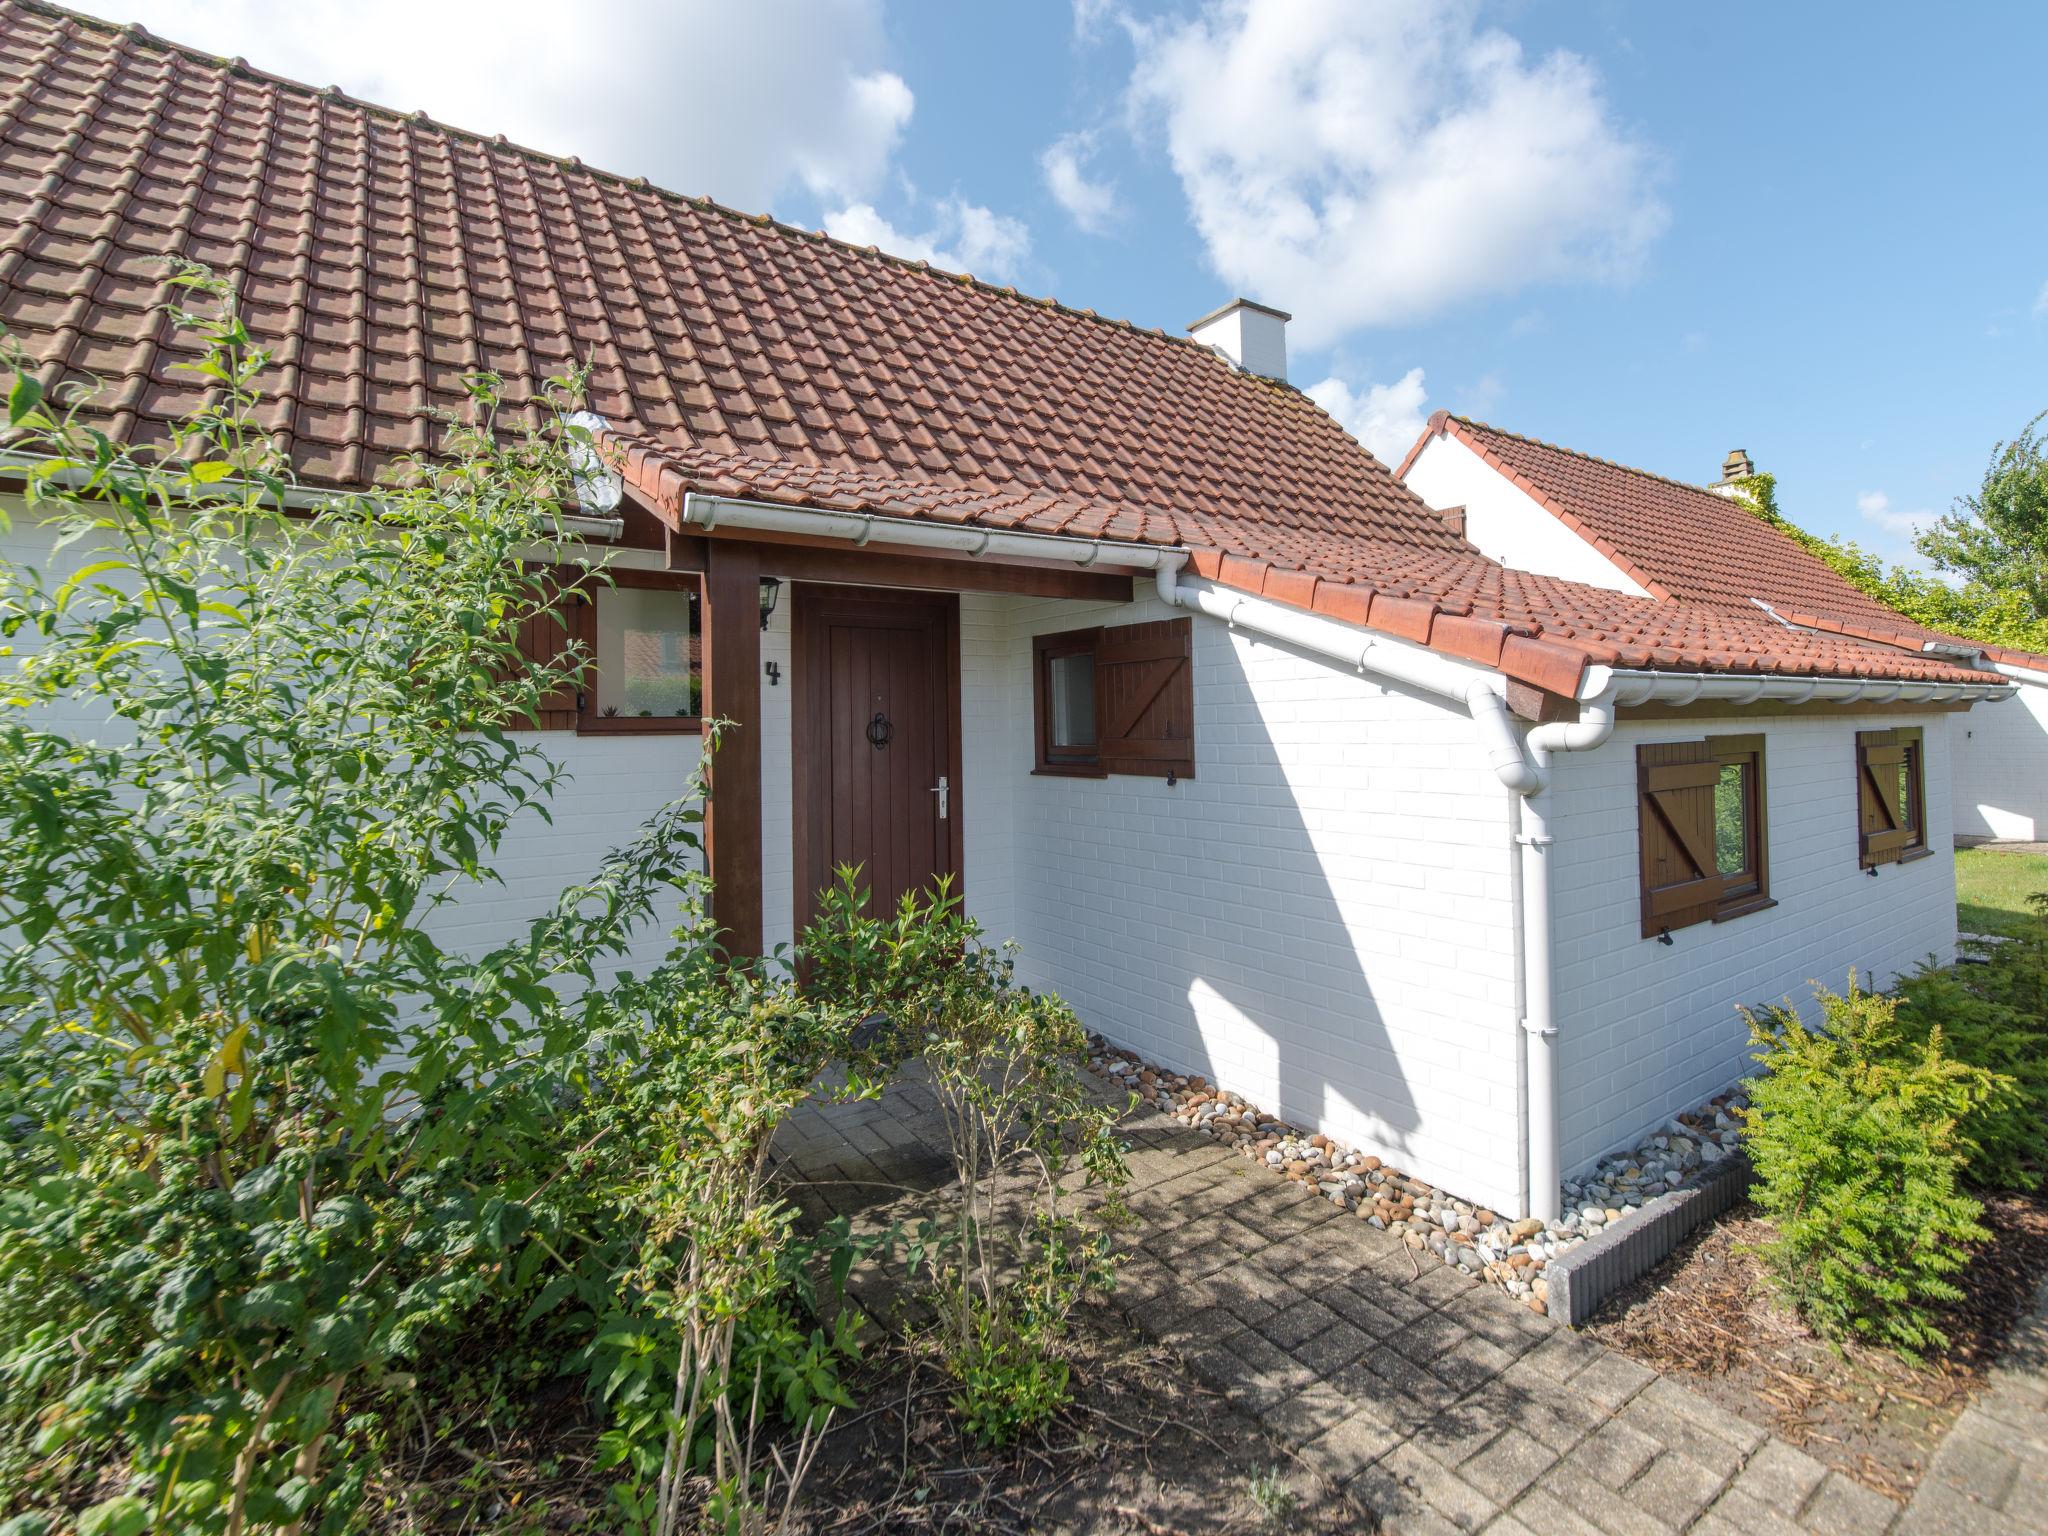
(1522, 763)
(305, 498)
(863, 528)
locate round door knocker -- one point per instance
(879, 731)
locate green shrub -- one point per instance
(1011, 1379)
(1855, 1134)
(1994, 1015)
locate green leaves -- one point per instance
(1854, 1132)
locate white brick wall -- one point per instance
(1322, 918)
(2001, 753)
(1504, 522)
(1648, 1029)
(617, 783)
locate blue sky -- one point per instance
(1650, 231)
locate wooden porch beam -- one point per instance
(732, 691)
(835, 561)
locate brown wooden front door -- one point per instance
(876, 734)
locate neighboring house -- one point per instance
(1544, 508)
(1267, 769)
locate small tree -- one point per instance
(260, 1134)
(1997, 537)
(1025, 1130)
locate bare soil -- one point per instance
(1143, 1450)
(1709, 1314)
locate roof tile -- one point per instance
(383, 256)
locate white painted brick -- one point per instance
(1647, 1030)
(2001, 753)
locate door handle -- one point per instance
(945, 793)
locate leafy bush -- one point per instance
(1855, 1132)
(268, 1153)
(1025, 1131)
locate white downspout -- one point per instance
(1533, 840)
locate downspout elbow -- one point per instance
(1503, 747)
(1166, 577)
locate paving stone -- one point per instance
(1841, 1506)
(1614, 1453)
(1612, 1379)
(1676, 1489)
(1435, 1485)
(1397, 1373)
(1430, 1338)
(1542, 1513)
(1508, 1466)
(1346, 1449)
(1676, 1431)
(1979, 1468)
(1290, 1324)
(1600, 1506)
(1333, 1347)
(1314, 1410)
(1499, 1319)
(1455, 1434)
(1780, 1476)
(1711, 1417)
(1360, 1311)
(1472, 1365)
(1749, 1514)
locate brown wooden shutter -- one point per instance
(545, 638)
(1681, 878)
(1880, 763)
(1145, 699)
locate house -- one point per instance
(1267, 768)
(1544, 508)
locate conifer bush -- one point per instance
(1856, 1132)
(1994, 1014)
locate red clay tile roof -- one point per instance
(1685, 543)
(382, 257)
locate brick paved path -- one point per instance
(1990, 1475)
(1428, 1395)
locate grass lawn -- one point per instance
(1992, 888)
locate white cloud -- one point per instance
(965, 237)
(1369, 165)
(1876, 508)
(1090, 204)
(1387, 418)
(741, 102)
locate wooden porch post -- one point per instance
(732, 692)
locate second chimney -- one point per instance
(1736, 466)
(1253, 336)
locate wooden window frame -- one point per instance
(1048, 759)
(1666, 770)
(582, 596)
(1877, 848)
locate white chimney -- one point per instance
(1253, 336)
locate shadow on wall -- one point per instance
(1225, 926)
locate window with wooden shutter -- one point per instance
(1145, 699)
(1116, 700)
(642, 648)
(1705, 850)
(1891, 796)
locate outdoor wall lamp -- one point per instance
(771, 594)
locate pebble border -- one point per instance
(1514, 1256)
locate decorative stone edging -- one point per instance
(1593, 1270)
(1516, 1256)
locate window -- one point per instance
(1065, 693)
(1891, 795)
(1116, 700)
(644, 641)
(1705, 848)
(648, 652)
